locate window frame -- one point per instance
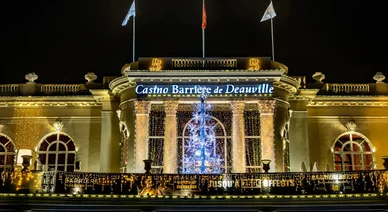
(57, 152)
(342, 153)
(224, 137)
(6, 153)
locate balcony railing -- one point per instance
(62, 88)
(301, 80)
(206, 63)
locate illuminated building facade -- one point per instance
(259, 113)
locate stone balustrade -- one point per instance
(347, 88)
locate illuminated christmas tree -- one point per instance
(200, 155)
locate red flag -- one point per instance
(204, 17)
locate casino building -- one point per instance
(260, 112)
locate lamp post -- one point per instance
(266, 163)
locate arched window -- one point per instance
(7, 152)
(353, 151)
(56, 152)
(220, 146)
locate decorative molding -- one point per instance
(267, 106)
(347, 103)
(237, 107)
(342, 119)
(43, 120)
(171, 107)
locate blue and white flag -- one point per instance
(269, 13)
(131, 12)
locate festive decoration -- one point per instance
(200, 155)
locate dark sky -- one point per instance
(62, 40)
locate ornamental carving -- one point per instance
(142, 107)
(58, 125)
(171, 107)
(118, 112)
(267, 106)
(351, 125)
(238, 107)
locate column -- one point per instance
(142, 110)
(238, 137)
(266, 109)
(170, 148)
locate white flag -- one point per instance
(131, 12)
(269, 13)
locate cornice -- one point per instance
(372, 101)
(120, 84)
(205, 75)
(358, 119)
(287, 83)
(347, 103)
(50, 104)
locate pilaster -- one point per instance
(170, 150)
(266, 109)
(142, 110)
(238, 137)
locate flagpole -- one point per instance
(134, 35)
(203, 32)
(273, 46)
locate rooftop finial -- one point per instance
(90, 77)
(379, 77)
(31, 77)
(318, 77)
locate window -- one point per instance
(56, 152)
(220, 145)
(352, 152)
(7, 152)
(252, 141)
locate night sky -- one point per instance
(62, 40)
